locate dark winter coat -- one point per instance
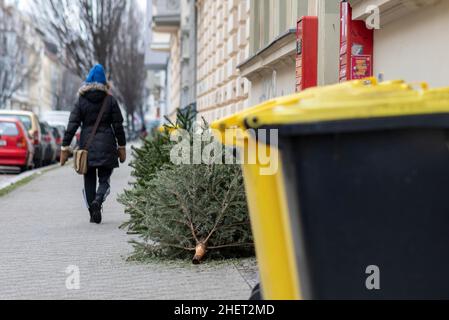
(110, 134)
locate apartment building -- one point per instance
(166, 20)
(174, 75)
(176, 18)
(50, 79)
(412, 40)
(241, 52)
(271, 67)
(29, 63)
(207, 40)
(157, 47)
(21, 51)
(246, 49)
(223, 43)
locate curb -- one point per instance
(27, 174)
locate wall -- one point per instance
(279, 82)
(271, 68)
(328, 12)
(50, 81)
(415, 47)
(34, 56)
(174, 99)
(271, 18)
(21, 36)
(222, 43)
(188, 53)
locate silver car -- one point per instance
(58, 119)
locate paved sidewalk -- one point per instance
(7, 174)
(5, 178)
(44, 228)
(10, 178)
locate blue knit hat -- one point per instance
(96, 75)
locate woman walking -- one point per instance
(107, 144)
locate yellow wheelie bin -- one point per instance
(357, 205)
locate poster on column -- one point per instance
(361, 66)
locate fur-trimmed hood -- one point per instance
(95, 86)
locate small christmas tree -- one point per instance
(147, 161)
(182, 210)
(196, 208)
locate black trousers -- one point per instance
(90, 184)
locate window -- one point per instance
(56, 133)
(8, 129)
(43, 128)
(271, 18)
(26, 120)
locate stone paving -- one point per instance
(7, 174)
(44, 229)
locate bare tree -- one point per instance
(66, 93)
(86, 30)
(18, 56)
(129, 63)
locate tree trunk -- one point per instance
(129, 119)
(133, 122)
(142, 116)
(200, 252)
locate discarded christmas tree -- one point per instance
(186, 210)
(147, 160)
(192, 209)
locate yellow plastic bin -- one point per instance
(358, 208)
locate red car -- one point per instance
(16, 148)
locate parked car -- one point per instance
(55, 118)
(60, 119)
(58, 133)
(49, 143)
(16, 148)
(31, 123)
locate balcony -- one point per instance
(160, 46)
(156, 60)
(167, 16)
(389, 10)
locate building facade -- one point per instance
(32, 76)
(21, 50)
(177, 18)
(157, 47)
(188, 53)
(412, 41)
(223, 43)
(174, 72)
(246, 49)
(271, 67)
(245, 52)
(50, 79)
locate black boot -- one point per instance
(91, 216)
(95, 212)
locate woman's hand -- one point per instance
(122, 154)
(65, 154)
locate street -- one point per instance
(44, 229)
